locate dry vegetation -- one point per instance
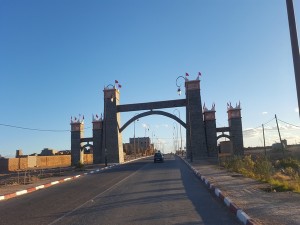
(280, 169)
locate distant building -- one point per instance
(48, 152)
(138, 145)
(141, 143)
(278, 146)
(64, 152)
(19, 153)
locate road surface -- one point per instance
(141, 192)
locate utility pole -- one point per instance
(279, 135)
(264, 139)
(295, 46)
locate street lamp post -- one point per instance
(179, 131)
(175, 136)
(152, 144)
(134, 137)
(189, 116)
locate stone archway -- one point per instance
(195, 131)
(152, 112)
(201, 131)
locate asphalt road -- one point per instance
(141, 192)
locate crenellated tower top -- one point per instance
(209, 114)
(234, 112)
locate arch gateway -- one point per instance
(200, 125)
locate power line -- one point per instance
(269, 121)
(288, 123)
(259, 126)
(35, 129)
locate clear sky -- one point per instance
(56, 56)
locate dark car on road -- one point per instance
(158, 157)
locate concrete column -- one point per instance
(77, 132)
(235, 129)
(113, 145)
(98, 151)
(195, 133)
(210, 130)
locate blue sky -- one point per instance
(56, 57)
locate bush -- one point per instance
(263, 168)
(232, 164)
(290, 162)
(248, 163)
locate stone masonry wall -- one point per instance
(14, 164)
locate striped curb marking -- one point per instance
(29, 190)
(239, 213)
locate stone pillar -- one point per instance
(195, 134)
(210, 130)
(98, 153)
(113, 146)
(77, 132)
(235, 128)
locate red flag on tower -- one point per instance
(199, 74)
(186, 74)
(116, 81)
(119, 85)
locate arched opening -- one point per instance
(151, 141)
(152, 112)
(225, 146)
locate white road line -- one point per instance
(115, 185)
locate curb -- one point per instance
(43, 186)
(239, 213)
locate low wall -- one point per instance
(53, 161)
(88, 158)
(14, 164)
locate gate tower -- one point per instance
(195, 133)
(235, 128)
(77, 133)
(112, 144)
(210, 130)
